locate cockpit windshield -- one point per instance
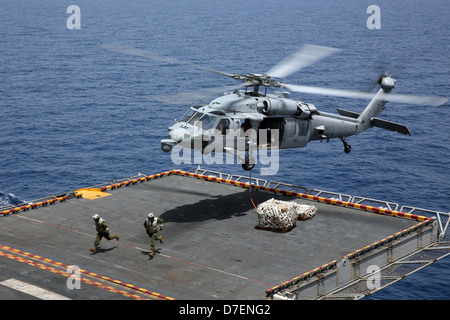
(195, 118)
(187, 115)
(206, 121)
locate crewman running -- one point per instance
(102, 231)
(152, 225)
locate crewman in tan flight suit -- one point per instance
(102, 231)
(152, 225)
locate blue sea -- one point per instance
(74, 115)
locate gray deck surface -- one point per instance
(211, 248)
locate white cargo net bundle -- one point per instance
(305, 211)
(282, 215)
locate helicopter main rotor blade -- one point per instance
(402, 98)
(306, 56)
(184, 98)
(149, 55)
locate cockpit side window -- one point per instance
(208, 122)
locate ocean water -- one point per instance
(74, 115)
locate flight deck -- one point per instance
(212, 246)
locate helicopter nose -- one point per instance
(179, 135)
(176, 136)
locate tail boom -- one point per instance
(376, 106)
(367, 119)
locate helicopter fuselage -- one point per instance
(242, 122)
(272, 119)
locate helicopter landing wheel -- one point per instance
(248, 165)
(347, 148)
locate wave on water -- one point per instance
(8, 200)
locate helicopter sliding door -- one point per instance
(294, 133)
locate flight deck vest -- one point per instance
(99, 225)
(152, 227)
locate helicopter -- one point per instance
(242, 121)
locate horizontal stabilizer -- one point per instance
(383, 124)
(390, 126)
(347, 113)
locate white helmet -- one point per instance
(150, 215)
(95, 217)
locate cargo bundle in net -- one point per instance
(278, 215)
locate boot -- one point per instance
(93, 250)
(151, 254)
(160, 239)
(116, 236)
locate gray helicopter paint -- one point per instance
(298, 122)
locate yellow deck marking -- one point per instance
(92, 193)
